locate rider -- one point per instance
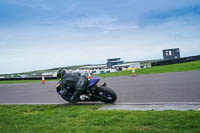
(71, 85)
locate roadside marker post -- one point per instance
(43, 79)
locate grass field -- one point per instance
(189, 66)
(87, 119)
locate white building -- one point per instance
(50, 74)
(96, 67)
(23, 75)
(135, 65)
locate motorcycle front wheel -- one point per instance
(106, 94)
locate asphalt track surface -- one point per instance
(168, 87)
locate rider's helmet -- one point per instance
(61, 72)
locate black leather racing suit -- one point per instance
(73, 83)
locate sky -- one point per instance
(44, 34)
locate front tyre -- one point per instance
(106, 94)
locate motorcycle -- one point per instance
(95, 92)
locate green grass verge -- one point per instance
(189, 66)
(87, 119)
(22, 81)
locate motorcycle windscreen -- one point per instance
(93, 81)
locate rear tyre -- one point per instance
(106, 94)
